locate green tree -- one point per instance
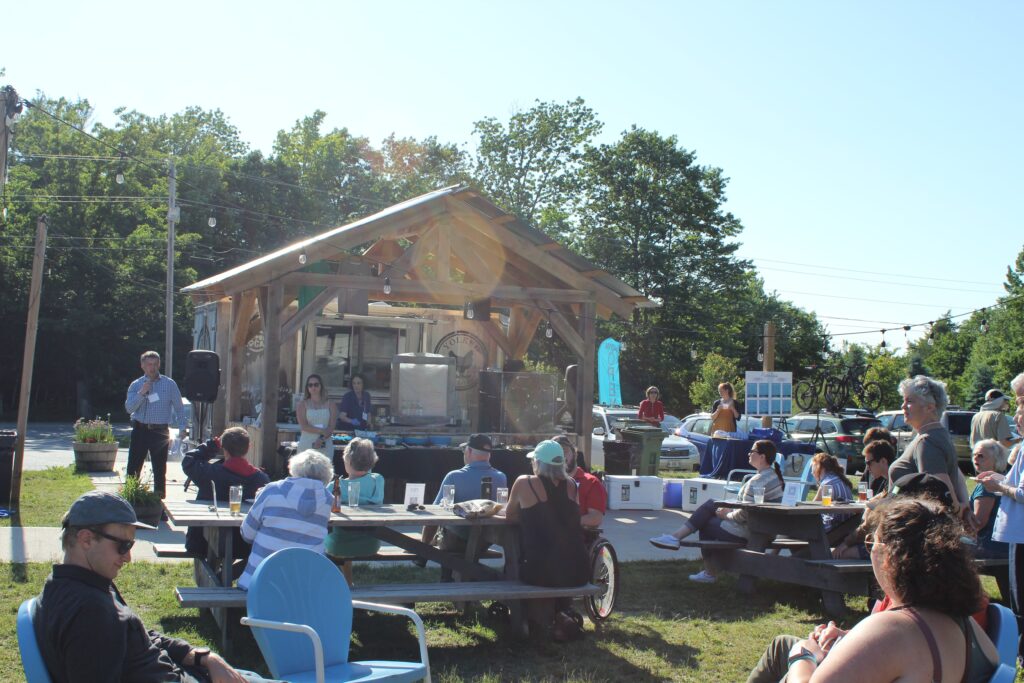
(887, 370)
(531, 167)
(713, 371)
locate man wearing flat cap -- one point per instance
(990, 422)
(85, 629)
(467, 482)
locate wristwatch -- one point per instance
(198, 655)
(804, 654)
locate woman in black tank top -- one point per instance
(547, 509)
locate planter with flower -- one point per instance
(94, 445)
(146, 502)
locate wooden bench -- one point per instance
(171, 550)
(789, 544)
(402, 593)
(996, 568)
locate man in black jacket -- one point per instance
(85, 629)
(216, 466)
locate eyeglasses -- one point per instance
(870, 542)
(123, 546)
(313, 384)
(869, 461)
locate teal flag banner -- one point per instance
(608, 373)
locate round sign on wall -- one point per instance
(470, 356)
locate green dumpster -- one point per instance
(645, 441)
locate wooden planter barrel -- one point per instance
(149, 513)
(95, 457)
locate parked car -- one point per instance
(841, 436)
(697, 429)
(677, 453)
(895, 422)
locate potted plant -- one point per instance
(94, 445)
(146, 502)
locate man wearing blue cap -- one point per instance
(85, 629)
(467, 482)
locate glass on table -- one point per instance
(862, 491)
(826, 494)
(235, 500)
(353, 494)
(447, 496)
(758, 492)
(502, 496)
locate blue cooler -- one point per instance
(673, 496)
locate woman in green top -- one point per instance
(359, 459)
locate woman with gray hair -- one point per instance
(368, 488)
(548, 512)
(308, 506)
(988, 456)
(931, 451)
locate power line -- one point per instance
(870, 272)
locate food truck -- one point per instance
(434, 302)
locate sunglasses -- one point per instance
(313, 384)
(123, 546)
(413, 507)
(870, 542)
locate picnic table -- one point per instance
(214, 573)
(810, 560)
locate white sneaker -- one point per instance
(665, 542)
(702, 577)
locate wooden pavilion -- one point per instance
(444, 249)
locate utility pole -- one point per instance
(768, 364)
(9, 108)
(173, 216)
(28, 359)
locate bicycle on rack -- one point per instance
(808, 392)
(839, 390)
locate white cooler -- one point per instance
(697, 490)
(634, 493)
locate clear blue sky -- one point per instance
(878, 137)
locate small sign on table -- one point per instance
(791, 496)
(414, 494)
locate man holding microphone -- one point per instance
(152, 401)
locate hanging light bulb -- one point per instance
(760, 354)
(119, 178)
(983, 328)
(469, 311)
(931, 339)
(387, 284)
(302, 257)
(212, 222)
(882, 345)
(693, 354)
(549, 333)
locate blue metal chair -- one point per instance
(1002, 629)
(1004, 674)
(31, 660)
(300, 610)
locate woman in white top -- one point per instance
(316, 415)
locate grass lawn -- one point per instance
(667, 628)
(47, 494)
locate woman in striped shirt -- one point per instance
(291, 513)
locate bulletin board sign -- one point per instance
(769, 394)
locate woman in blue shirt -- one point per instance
(828, 472)
(355, 407)
(989, 456)
(359, 459)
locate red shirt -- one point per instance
(652, 412)
(592, 493)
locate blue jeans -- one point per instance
(1017, 566)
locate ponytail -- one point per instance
(778, 472)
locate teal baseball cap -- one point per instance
(548, 452)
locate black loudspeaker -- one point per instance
(516, 402)
(202, 376)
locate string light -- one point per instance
(549, 333)
(882, 345)
(302, 257)
(119, 178)
(387, 284)
(212, 222)
(760, 354)
(693, 354)
(469, 310)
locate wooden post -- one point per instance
(587, 372)
(271, 368)
(28, 358)
(768, 364)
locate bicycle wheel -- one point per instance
(870, 396)
(604, 572)
(806, 395)
(837, 394)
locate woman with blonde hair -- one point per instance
(725, 411)
(316, 415)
